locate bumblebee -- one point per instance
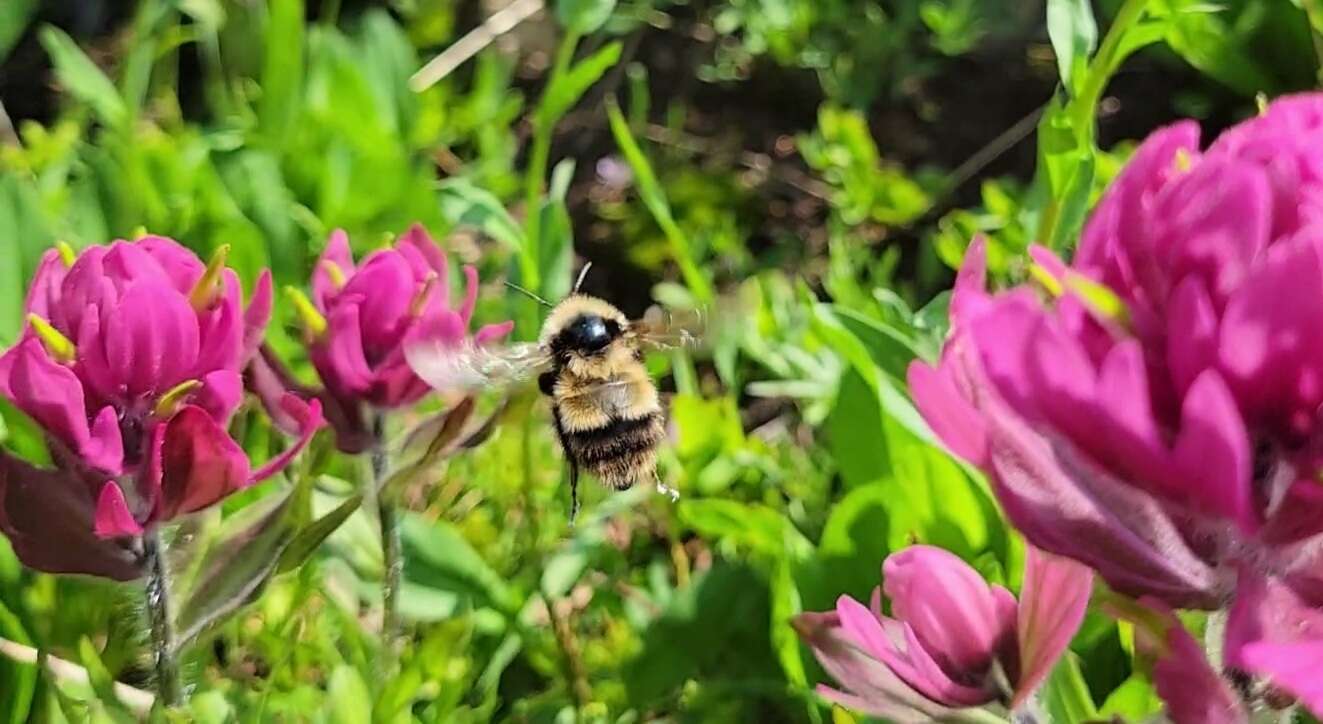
(588, 361)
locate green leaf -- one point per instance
(102, 683)
(1073, 201)
(583, 16)
(242, 558)
(437, 556)
(348, 700)
(566, 89)
(467, 205)
(654, 197)
(82, 78)
(891, 349)
(556, 236)
(282, 68)
(785, 605)
(755, 527)
(712, 630)
(309, 537)
(1065, 694)
(1074, 35)
(210, 707)
(22, 436)
(14, 18)
(19, 680)
(1134, 700)
(1206, 42)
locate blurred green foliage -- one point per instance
(799, 456)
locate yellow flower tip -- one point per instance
(174, 398)
(334, 271)
(1261, 100)
(1103, 302)
(139, 232)
(60, 348)
(1183, 160)
(67, 253)
(314, 324)
(210, 287)
(1044, 277)
(420, 299)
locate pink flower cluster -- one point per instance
(359, 322)
(133, 362)
(1153, 409)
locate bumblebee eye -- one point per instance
(588, 333)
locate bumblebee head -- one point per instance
(589, 333)
(583, 326)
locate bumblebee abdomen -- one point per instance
(619, 452)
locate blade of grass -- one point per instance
(650, 190)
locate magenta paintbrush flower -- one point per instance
(1155, 413)
(951, 641)
(359, 318)
(130, 363)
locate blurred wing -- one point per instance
(689, 328)
(470, 367)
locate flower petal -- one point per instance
(257, 315)
(49, 393)
(1192, 690)
(489, 333)
(470, 294)
(309, 417)
(339, 356)
(1213, 454)
(151, 338)
(1053, 600)
(220, 394)
(324, 287)
(180, 264)
(1271, 341)
(912, 663)
(951, 609)
(970, 295)
(200, 464)
(1066, 504)
(952, 418)
(1291, 666)
(873, 688)
(113, 519)
(44, 292)
(385, 288)
(48, 517)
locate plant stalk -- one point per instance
(575, 671)
(168, 687)
(391, 555)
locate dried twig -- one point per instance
(500, 23)
(138, 701)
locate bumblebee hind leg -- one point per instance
(574, 491)
(665, 489)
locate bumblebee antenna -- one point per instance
(528, 293)
(582, 273)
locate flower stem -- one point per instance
(158, 614)
(390, 538)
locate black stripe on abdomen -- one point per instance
(616, 439)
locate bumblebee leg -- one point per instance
(574, 492)
(665, 489)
